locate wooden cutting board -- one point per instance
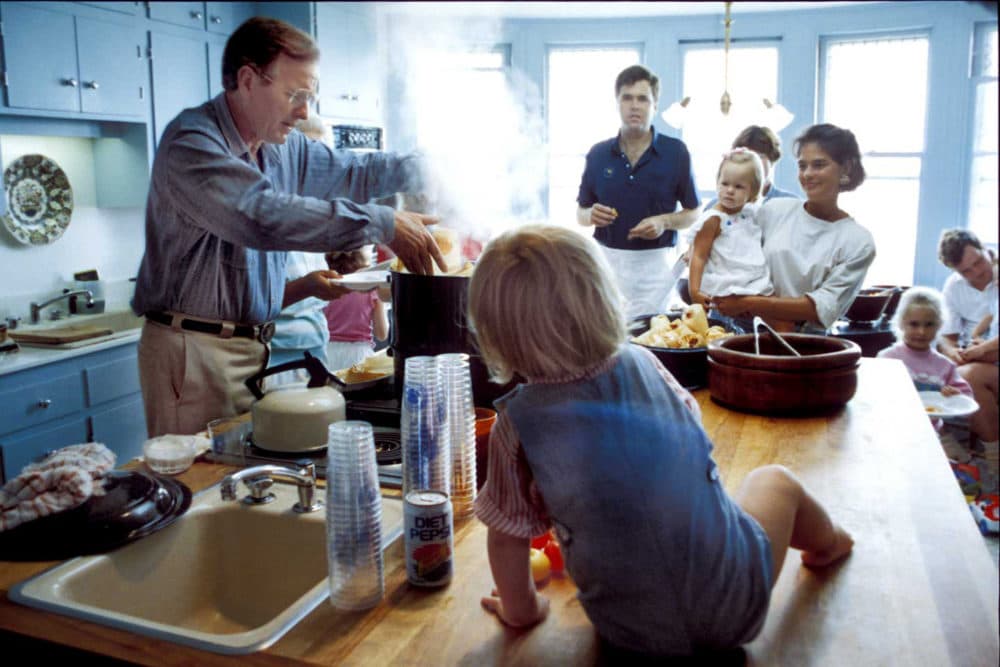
(67, 334)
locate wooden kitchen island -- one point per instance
(920, 587)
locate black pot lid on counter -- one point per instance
(134, 505)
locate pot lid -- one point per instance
(135, 504)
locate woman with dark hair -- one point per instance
(817, 253)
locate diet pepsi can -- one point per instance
(427, 526)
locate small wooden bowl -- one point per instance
(869, 305)
(824, 378)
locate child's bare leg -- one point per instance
(791, 516)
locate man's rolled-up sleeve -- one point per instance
(224, 195)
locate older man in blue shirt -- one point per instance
(630, 191)
(233, 186)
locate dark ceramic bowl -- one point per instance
(869, 304)
(690, 366)
(890, 308)
(823, 379)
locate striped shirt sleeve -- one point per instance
(509, 500)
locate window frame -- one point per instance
(686, 45)
(824, 44)
(977, 77)
(640, 49)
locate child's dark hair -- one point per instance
(840, 145)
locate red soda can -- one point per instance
(427, 533)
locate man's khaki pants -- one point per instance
(190, 378)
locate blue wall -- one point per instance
(950, 25)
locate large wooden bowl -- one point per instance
(823, 379)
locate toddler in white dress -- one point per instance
(726, 253)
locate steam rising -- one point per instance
(481, 131)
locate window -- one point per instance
(753, 76)
(581, 111)
(477, 123)
(983, 177)
(877, 88)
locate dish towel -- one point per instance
(61, 481)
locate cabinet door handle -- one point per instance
(93, 85)
(44, 403)
(216, 20)
(72, 83)
(196, 15)
(354, 98)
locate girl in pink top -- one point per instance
(355, 319)
(918, 320)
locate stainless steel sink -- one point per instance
(226, 577)
(116, 324)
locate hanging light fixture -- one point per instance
(770, 114)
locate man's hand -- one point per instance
(414, 245)
(495, 605)
(650, 228)
(602, 216)
(315, 284)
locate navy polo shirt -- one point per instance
(660, 180)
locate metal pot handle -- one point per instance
(318, 375)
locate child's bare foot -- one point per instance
(842, 546)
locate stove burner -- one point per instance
(388, 448)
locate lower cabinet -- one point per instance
(89, 398)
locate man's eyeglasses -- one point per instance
(296, 98)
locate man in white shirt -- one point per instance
(970, 295)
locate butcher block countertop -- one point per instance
(920, 587)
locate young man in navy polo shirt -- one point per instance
(630, 192)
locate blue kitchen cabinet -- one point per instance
(180, 76)
(133, 8)
(59, 62)
(187, 14)
(224, 17)
(86, 398)
(215, 68)
(349, 70)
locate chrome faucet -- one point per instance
(36, 308)
(261, 478)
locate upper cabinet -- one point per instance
(180, 76)
(350, 81)
(218, 17)
(59, 62)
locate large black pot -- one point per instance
(429, 318)
(688, 366)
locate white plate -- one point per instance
(39, 200)
(362, 281)
(937, 405)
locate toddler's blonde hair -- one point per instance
(543, 304)
(745, 157)
(919, 297)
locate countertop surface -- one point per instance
(919, 588)
(29, 357)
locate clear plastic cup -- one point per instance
(354, 517)
(424, 429)
(457, 382)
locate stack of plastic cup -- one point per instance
(353, 517)
(424, 428)
(457, 383)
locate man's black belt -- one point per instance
(261, 332)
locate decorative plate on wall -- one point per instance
(39, 200)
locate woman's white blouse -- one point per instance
(825, 261)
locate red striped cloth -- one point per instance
(61, 481)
